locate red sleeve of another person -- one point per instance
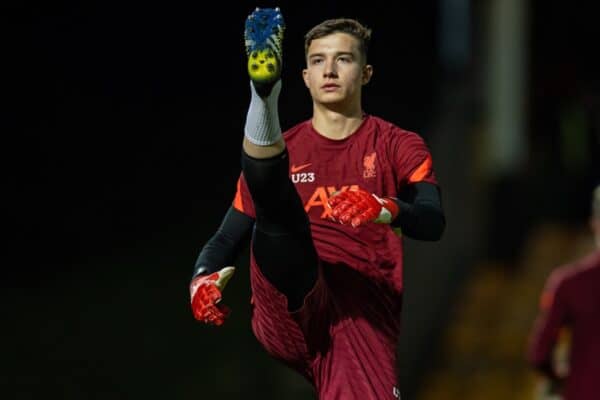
(551, 318)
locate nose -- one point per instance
(330, 69)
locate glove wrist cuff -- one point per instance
(389, 210)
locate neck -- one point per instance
(336, 124)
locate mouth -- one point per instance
(330, 87)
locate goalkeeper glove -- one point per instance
(357, 207)
(205, 296)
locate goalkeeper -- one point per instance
(325, 203)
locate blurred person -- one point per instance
(565, 340)
(324, 203)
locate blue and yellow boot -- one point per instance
(263, 36)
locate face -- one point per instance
(335, 72)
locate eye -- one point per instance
(316, 61)
(345, 59)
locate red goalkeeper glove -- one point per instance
(357, 207)
(205, 296)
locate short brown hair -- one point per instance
(343, 25)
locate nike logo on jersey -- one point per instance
(297, 168)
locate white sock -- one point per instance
(262, 121)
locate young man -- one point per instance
(324, 201)
(570, 303)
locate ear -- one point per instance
(305, 77)
(367, 72)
